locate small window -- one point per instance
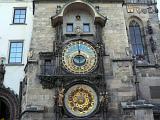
(48, 67)
(154, 91)
(19, 16)
(86, 27)
(69, 27)
(16, 50)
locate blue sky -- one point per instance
(158, 5)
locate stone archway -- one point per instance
(9, 105)
(78, 4)
(4, 110)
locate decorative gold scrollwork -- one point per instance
(81, 100)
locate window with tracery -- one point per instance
(136, 40)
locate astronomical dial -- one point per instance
(79, 57)
(81, 100)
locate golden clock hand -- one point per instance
(79, 48)
(79, 58)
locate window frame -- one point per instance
(19, 8)
(143, 42)
(10, 43)
(48, 66)
(67, 27)
(89, 30)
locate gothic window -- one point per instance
(136, 40)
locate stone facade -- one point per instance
(124, 81)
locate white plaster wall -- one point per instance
(8, 31)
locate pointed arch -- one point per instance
(137, 38)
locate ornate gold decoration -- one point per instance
(79, 57)
(139, 10)
(60, 96)
(78, 17)
(130, 9)
(81, 100)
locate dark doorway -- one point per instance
(156, 116)
(4, 110)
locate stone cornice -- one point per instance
(92, 1)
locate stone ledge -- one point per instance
(136, 104)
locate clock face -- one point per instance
(79, 57)
(80, 100)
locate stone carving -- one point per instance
(78, 17)
(58, 99)
(58, 9)
(104, 104)
(150, 10)
(139, 10)
(2, 72)
(153, 44)
(78, 30)
(30, 54)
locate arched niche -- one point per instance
(79, 18)
(5, 109)
(10, 104)
(78, 5)
(137, 42)
(137, 19)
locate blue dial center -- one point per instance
(79, 60)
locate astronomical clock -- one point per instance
(79, 57)
(79, 75)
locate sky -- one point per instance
(158, 5)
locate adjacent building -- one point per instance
(15, 36)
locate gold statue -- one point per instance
(60, 96)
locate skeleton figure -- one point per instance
(104, 102)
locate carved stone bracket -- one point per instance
(136, 104)
(50, 81)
